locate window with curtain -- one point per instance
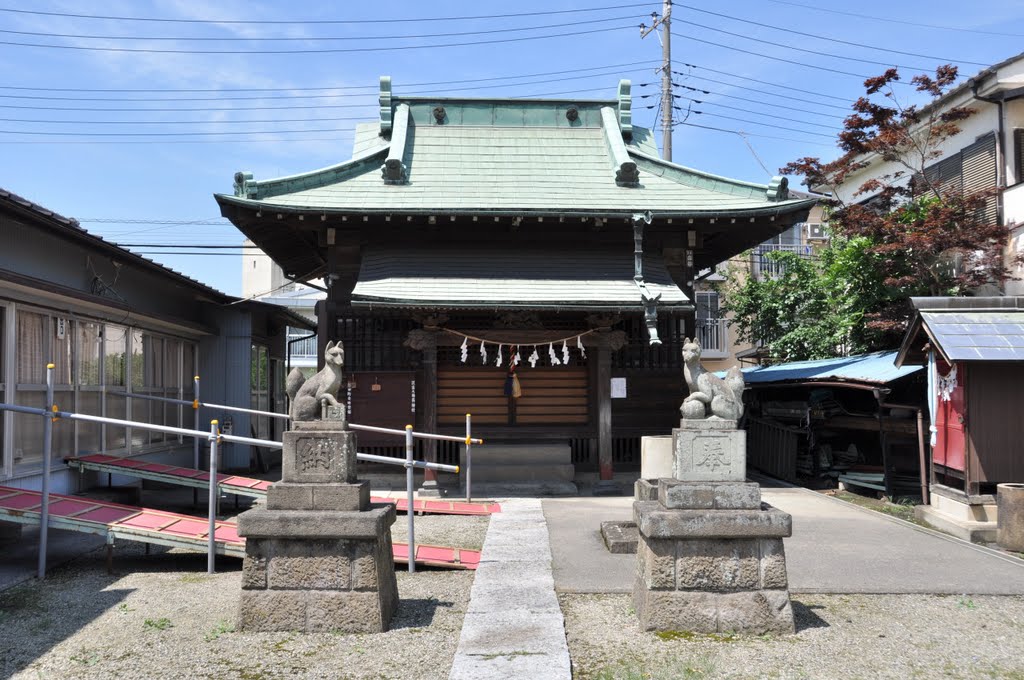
(89, 372)
(93, 363)
(115, 362)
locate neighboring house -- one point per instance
(721, 346)
(263, 280)
(974, 350)
(988, 152)
(510, 223)
(114, 322)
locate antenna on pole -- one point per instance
(667, 102)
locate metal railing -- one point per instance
(196, 404)
(713, 334)
(769, 266)
(303, 347)
(214, 436)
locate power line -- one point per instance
(165, 134)
(803, 49)
(373, 88)
(753, 101)
(370, 102)
(764, 82)
(845, 109)
(829, 39)
(753, 122)
(768, 56)
(180, 122)
(327, 50)
(312, 22)
(756, 113)
(163, 38)
(897, 21)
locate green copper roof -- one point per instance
(463, 278)
(470, 156)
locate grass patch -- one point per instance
(162, 623)
(194, 578)
(86, 657)
(904, 511)
(223, 626)
(670, 669)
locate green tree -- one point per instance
(914, 237)
(814, 308)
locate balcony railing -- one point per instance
(768, 267)
(304, 348)
(713, 335)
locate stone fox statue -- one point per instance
(710, 396)
(307, 395)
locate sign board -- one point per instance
(618, 388)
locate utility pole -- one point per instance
(667, 102)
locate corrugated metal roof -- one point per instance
(967, 335)
(875, 368)
(508, 279)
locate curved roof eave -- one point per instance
(779, 208)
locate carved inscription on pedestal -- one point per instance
(314, 456)
(706, 455)
(710, 454)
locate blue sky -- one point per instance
(148, 135)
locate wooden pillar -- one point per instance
(604, 411)
(425, 341)
(427, 395)
(324, 329)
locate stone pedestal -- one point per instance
(318, 557)
(710, 557)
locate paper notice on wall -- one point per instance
(618, 388)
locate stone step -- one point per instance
(523, 473)
(521, 453)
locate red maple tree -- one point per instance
(929, 239)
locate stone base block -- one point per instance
(753, 613)
(315, 571)
(620, 537)
(655, 521)
(711, 564)
(712, 571)
(709, 454)
(314, 611)
(674, 494)
(645, 490)
(343, 497)
(317, 524)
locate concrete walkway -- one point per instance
(514, 627)
(835, 548)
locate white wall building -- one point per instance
(264, 280)
(987, 152)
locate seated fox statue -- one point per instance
(710, 396)
(307, 396)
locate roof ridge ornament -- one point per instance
(625, 108)
(386, 115)
(393, 170)
(627, 174)
(242, 184)
(778, 189)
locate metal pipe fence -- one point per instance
(214, 436)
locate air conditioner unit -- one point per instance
(816, 231)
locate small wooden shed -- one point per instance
(974, 348)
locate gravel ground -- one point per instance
(838, 636)
(163, 617)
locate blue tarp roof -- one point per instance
(876, 368)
